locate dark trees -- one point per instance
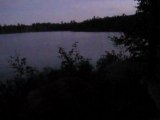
(149, 9)
(115, 23)
(142, 40)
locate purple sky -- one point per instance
(31, 11)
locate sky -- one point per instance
(55, 11)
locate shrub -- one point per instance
(73, 62)
(20, 67)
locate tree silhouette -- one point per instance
(115, 23)
(141, 40)
(149, 8)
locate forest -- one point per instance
(120, 87)
(116, 23)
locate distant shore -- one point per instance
(96, 24)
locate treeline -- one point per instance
(116, 23)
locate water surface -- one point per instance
(41, 48)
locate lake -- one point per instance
(41, 48)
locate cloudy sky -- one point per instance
(31, 11)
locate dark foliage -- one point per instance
(74, 63)
(143, 44)
(115, 23)
(142, 41)
(114, 90)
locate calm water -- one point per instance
(41, 49)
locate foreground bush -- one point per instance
(115, 89)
